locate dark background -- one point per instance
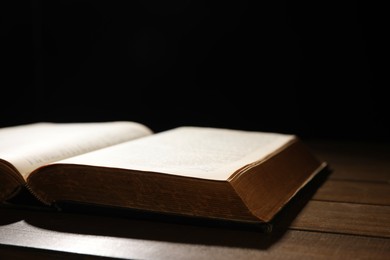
(311, 68)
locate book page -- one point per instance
(206, 153)
(30, 146)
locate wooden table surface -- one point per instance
(343, 214)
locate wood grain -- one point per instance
(360, 161)
(292, 244)
(375, 193)
(346, 218)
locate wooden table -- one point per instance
(341, 215)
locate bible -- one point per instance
(193, 171)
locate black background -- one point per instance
(316, 69)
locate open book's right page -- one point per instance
(198, 152)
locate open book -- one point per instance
(187, 171)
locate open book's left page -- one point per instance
(30, 146)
